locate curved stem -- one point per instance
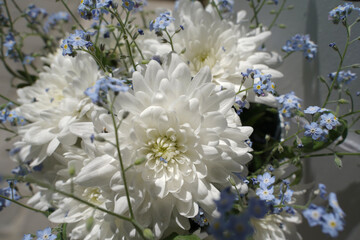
(277, 14)
(72, 15)
(25, 206)
(330, 154)
(340, 65)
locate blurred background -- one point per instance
(300, 75)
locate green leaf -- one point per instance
(357, 132)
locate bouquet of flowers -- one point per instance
(167, 124)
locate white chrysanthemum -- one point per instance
(190, 136)
(277, 227)
(226, 48)
(54, 102)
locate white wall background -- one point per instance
(311, 17)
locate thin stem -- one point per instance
(122, 169)
(170, 41)
(348, 114)
(8, 130)
(340, 65)
(217, 9)
(277, 14)
(330, 154)
(287, 54)
(7, 99)
(48, 186)
(256, 11)
(72, 15)
(24, 205)
(354, 121)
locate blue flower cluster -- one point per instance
(10, 46)
(262, 81)
(225, 6)
(45, 234)
(54, 19)
(90, 9)
(301, 43)
(33, 12)
(266, 193)
(161, 22)
(240, 104)
(8, 192)
(343, 77)
(331, 219)
(78, 40)
(235, 226)
(9, 115)
(289, 104)
(139, 5)
(319, 131)
(200, 218)
(98, 92)
(341, 12)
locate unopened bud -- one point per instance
(343, 101)
(267, 137)
(72, 171)
(280, 148)
(140, 161)
(183, 51)
(99, 139)
(89, 224)
(148, 234)
(338, 161)
(232, 181)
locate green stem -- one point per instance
(348, 114)
(340, 65)
(256, 11)
(8, 130)
(277, 14)
(72, 15)
(48, 186)
(287, 54)
(354, 121)
(7, 99)
(217, 9)
(25, 206)
(170, 41)
(252, 5)
(330, 154)
(122, 168)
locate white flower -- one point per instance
(191, 138)
(226, 48)
(277, 227)
(53, 103)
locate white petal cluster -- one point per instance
(190, 137)
(53, 103)
(226, 48)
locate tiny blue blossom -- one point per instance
(54, 19)
(226, 201)
(313, 130)
(329, 121)
(313, 214)
(10, 44)
(8, 192)
(161, 22)
(45, 234)
(265, 193)
(312, 110)
(303, 44)
(332, 224)
(341, 12)
(98, 92)
(257, 208)
(33, 12)
(28, 60)
(334, 204)
(322, 189)
(343, 77)
(128, 4)
(239, 227)
(140, 31)
(200, 218)
(265, 180)
(104, 3)
(27, 237)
